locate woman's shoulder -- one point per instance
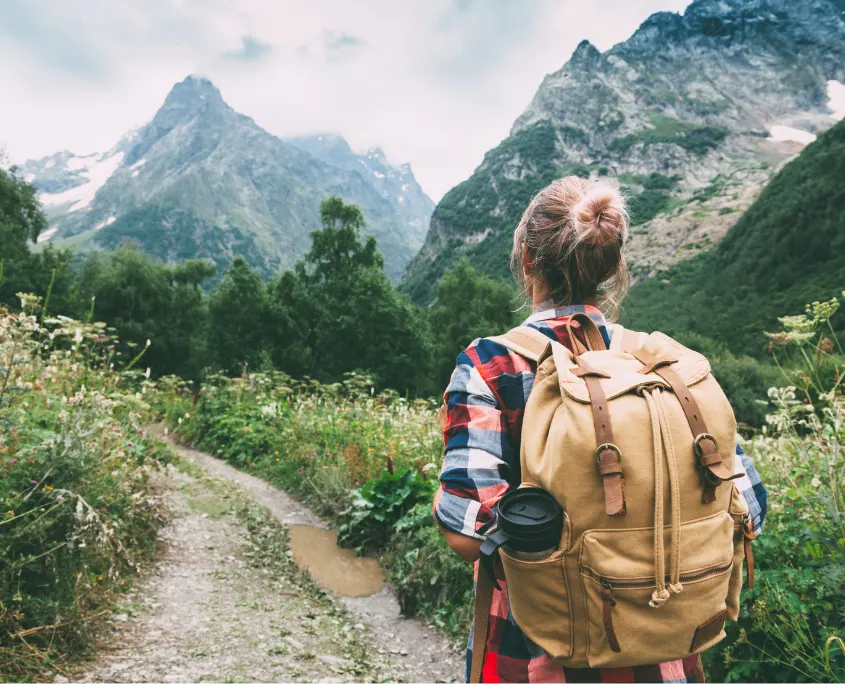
(493, 359)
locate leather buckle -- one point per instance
(748, 529)
(607, 447)
(697, 443)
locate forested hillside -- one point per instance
(786, 250)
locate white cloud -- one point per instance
(433, 82)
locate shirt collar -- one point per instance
(548, 310)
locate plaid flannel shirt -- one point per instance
(485, 403)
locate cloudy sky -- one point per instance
(433, 82)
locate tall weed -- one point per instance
(77, 507)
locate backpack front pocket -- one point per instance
(540, 601)
(617, 570)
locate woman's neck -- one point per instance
(541, 303)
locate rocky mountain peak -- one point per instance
(655, 31)
(704, 104)
(203, 181)
(192, 93)
(187, 102)
(586, 54)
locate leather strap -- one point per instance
(526, 341)
(608, 457)
(655, 363)
(483, 602)
(700, 677)
(584, 369)
(607, 604)
(713, 472)
(595, 341)
(747, 537)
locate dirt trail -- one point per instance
(218, 607)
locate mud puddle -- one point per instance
(338, 570)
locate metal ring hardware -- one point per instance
(607, 447)
(703, 436)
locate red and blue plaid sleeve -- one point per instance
(752, 489)
(484, 400)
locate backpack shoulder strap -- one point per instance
(525, 341)
(625, 340)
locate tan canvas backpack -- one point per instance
(629, 440)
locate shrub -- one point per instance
(793, 622)
(430, 579)
(77, 508)
(378, 506)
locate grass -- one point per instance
(78, 505)
(666, 130)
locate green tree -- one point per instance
(338, 312)
(468, 305)
(145, 299)
(21, 222)
(237, 309)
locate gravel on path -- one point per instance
(226, 603)
(424, 654)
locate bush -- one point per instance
(744, 380)
(77, 509)
(430, 579)
(793, 621)
(378, 506)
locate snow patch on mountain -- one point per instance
(47, 234)
(107, 222)
(836, 99)
(789, 134)
(82, 195)
(81, 163)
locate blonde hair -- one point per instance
(575, 230)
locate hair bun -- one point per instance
(600, 216)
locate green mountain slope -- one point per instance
(787, 250)
(692, 114)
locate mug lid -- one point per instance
(529, 513)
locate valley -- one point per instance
(224, 354)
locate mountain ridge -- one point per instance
(201, 180)
(692, 115)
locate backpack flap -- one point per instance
(625, 372)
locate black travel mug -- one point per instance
(530, 524)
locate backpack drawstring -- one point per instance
(663, 444)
